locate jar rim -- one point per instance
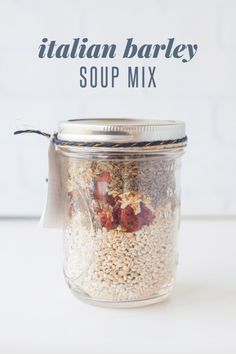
(120, 131)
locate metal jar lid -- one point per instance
(121, 131)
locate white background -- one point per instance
(37, 312)
(39, 92)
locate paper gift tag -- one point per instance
(53, 214)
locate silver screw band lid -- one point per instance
(123, 130)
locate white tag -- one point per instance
(53, 214)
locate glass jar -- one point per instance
(121, 190)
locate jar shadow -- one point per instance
(198, 296)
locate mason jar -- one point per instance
(121, 197)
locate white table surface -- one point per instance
(38, 314)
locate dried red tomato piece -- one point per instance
(109, 200)
(100, 192)
(128, 220)
(106, 221)
(70, 194)
(73, 195)
(98, 209)
(146, 215)
(105, 198)
(131, 222)
(104, 177)
(116, 215)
